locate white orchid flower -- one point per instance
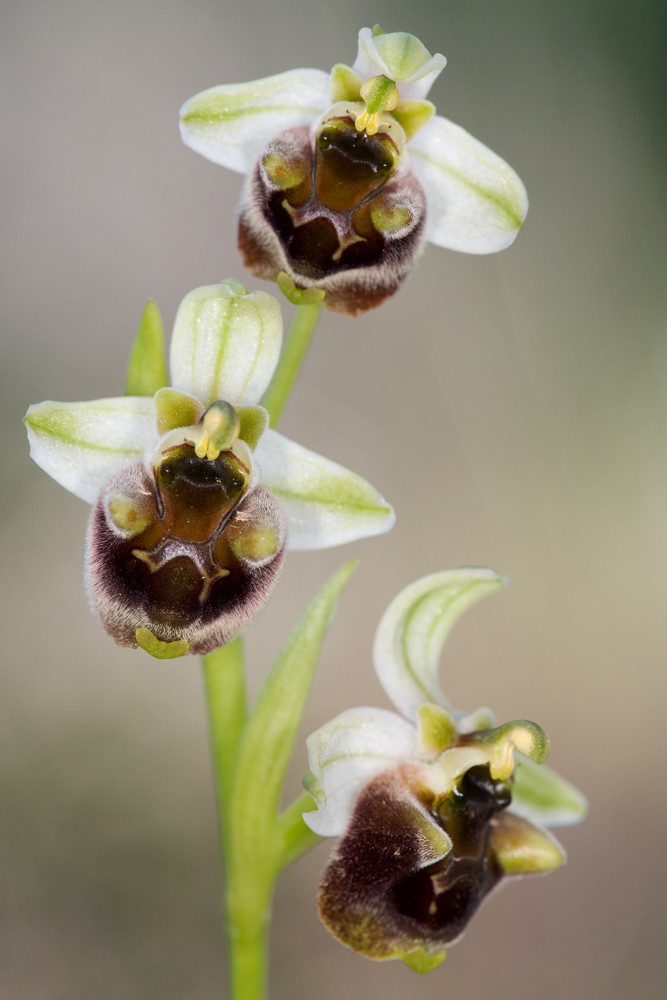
(434, 807)
(350, 171)
(194, 497)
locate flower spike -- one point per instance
(349, 172)
(424, 802)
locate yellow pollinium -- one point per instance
(219, 429)
(380, 95)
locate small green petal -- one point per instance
(412, 115)
(543, 796)
(345, 84)
(437, 729)
(176, 409)
(254, 421)
(147, 369)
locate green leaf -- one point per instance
(147, 370)
(268, 738)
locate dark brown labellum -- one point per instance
(187, 550)
(389, 888)
(336, 214)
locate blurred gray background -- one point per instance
(513, 408)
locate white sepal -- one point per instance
(81, 445)
(226, 343)
(413, 629)
(232, 124)
(476, 202)
(325, 504)
(347, 753)
(401, 57)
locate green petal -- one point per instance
(413, 115)
(254, 421)
(414, 628)
(226, 343)
(147, 368)
(325, 504)
(345, 84)
(541, 796)
(232, 124)
(82, 444)
(476, 202)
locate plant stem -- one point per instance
(300, 333)
(224, 681)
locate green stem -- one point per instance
(224, 681)
(301, 330)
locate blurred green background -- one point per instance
(513, 408)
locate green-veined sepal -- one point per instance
(325, 504)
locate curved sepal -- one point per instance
(81, 445)
(325, 504)
(401, 57)
(226, 343)
(476, 202)
(232, 124)
(347, 753)
(542, 796)
(413, 629)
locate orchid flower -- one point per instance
(194, 498)
(350, 171)
(435, 808)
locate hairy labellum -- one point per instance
(337, 214)
(188, 550)
(411, 871)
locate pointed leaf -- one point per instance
(271, 729)
(325, 504)
(476, 202)
(147, 369)
(541, 796)
(347, 753)
(82, 444)
(226, 343)
(414, 628)
(232, 124)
